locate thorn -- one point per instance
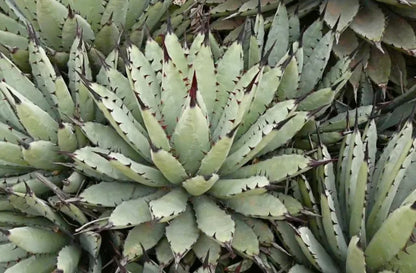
(15, 98)
(266, 55)
(28, 190)
(280, 124)
(166, 56)
(79, 36)
(192, 91)
(251, 84)
(259, 7)
(356, 120)
(206, 36)
(104, 64)
(84, 80)
(71, 14)
(353, 54)
(205, 264)
(296, 13)
(238, 268)
(231, 134)
(141, 103)
(145, 256)
(110, 19)
(316, 111)
(347, 120)
(106, 156)
(23, 144)
(316, 163)
(295, 219)
(207, 177)
(57, 71)
(169, 25)
(379, 47)
(301, 98)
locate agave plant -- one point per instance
(204, 158)
(380, 35)
(184, 149)
(367, 208)
(384, 25)
(35, 235)
(104, 25)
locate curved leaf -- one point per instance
(213, 221)
(264, 206)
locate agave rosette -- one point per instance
(35, 128)
(389, 34)
(367, 204)
(104, 25)
(196, 133)
(184, 149)
(35, 237)
(380, 34)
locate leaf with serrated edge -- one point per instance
(391, 237)
(340, 13)
(43, 263)
(171, 168)
(68, 259)
(199, 184)
(32, 205)
(164, 253)
(191, 135)
(212, 220)
(51, 16)
(206, 247)
(138, 172)
(91, 242)
(182, 233)
(169, 206)
(314, 66)
(133, 212)
(38, 123)
(277, 168)
(369, 22)
(245, 240)
(227, 188)
(263, 205)
(315, 252)
(41, 240)
(355, 261)
(400, 34)
(145, 235)
(111, 194)
(10, 252)
(216, 156)
(332, 227)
